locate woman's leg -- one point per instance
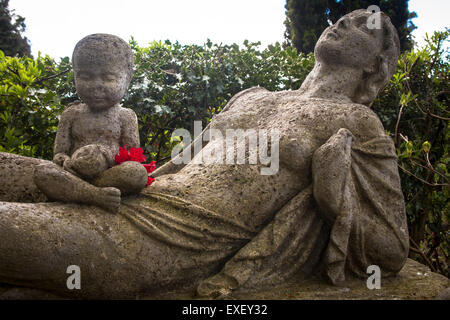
(38, 242)
(16, 176)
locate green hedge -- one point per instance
(174, 85)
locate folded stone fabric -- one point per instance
(352, 216)
(358, 191)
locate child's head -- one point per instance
(103, 67)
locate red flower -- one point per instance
(122, 156)
(149, 181)
(135, 154)
(150, 167)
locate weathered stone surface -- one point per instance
(19, 293)
(444, 295)
(414, 282)
(16, 176)
(331, 204)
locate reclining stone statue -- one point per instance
(334, 207)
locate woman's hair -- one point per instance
(104, 50)
(387, 58)
(391, 43)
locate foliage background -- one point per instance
(174, 85)
(11, 28)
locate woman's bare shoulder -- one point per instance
(244, 94)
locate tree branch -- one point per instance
(397, 124)
(430, 167)
(426, 182)
(417, 250)
(40, 80)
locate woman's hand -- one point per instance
(67, 165)
(330, 168)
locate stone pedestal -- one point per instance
(414, 282)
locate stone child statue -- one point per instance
(90, 132)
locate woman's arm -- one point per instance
(357, 189)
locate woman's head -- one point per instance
(351, 43)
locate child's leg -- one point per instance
(60, 185)
(129, 177)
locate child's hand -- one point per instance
(67, 165)
(60, 158)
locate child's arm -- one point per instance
(130, 130)
(63, 141)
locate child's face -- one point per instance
(100, 87)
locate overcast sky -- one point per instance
(55, 26)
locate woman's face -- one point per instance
(349, 42)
